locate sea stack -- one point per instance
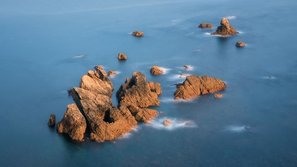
(52, 120)
(240, 44)
(195, 86)
(156, 70)
(225, 29)
(122, 56)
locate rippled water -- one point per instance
(46, 46)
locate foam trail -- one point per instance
(176, 124)
(128, 135)
(165, 70)
(79, 56)
(237, 128)
(178, 77)
(172, 100)
(231, 17)
(269, 77)
(116, 73)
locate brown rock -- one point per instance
(225, 29)
(218, 95)
(112, 73)
(195, 86)
(143, 114)
(167, 122)
(205, 25)
(240, 44)
(155, 87)
(73, 123)
(138, 34)
(136, 91)
(122, 56)
(52, 120)
(156, 70)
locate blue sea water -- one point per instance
(46, 46)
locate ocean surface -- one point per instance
(46, 46)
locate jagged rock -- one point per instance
(167, 122)
(52, 120)
(136, 91)
(138, 34)
(240, 44)
(112, 73)
(122, 56)
(225, 29)
(143, 114)
(195, 86)
(156, 70)
(205, 25)
(218, 95)
(73, 123)
(155, 87)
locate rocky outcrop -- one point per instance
(138, 34)
(195, 86)
(240, 44)
(205, 25)
(167, 122)
(122, 57)
(225, 29)
(218, 95)
(93, 108)
(137, 91)
(73, 123)
(156, 70)
(112, 73)
(52, 120)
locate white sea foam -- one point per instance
(231, 17)
(269, 77)
(237, 128)
(128, 135)
(79, 56)
(116, 73)
(165, 70)
(179, 76)
(175, 124)
(172, 100)
(189, 68)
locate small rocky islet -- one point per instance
(93, 115)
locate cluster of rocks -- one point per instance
(225, 29)
(93, 115)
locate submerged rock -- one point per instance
(137, 91)
(167, 122)
(112, 73)
(218, 95)
(195, 86)
(138, 33)
(205, 25)
(225, 29)
(73, 123)
(240, 44)
(122, 56)
(52, 120)
(156, 70)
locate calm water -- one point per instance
(45, 47)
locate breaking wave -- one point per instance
(175, 124)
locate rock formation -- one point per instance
(138, 34)
(156, 70)
(225, 29)
(205, 25)
(112, 73)
(240, 44)
(52, 120)
(195, 86)
(137, 91)
(218, 95)
(122, 56)
(93, 108)
(73, 123)
(167, 122)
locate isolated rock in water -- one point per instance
(188, 67)
(205, 25)
(156, 70)
(218, 95)
(112, 73)
(167, 122)
(240, 44)
(143, 114)
(73, 123)
(195, 86)
(52, 120)
(225, 29)
(138, 34)
(136, 91)
(122, 56)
